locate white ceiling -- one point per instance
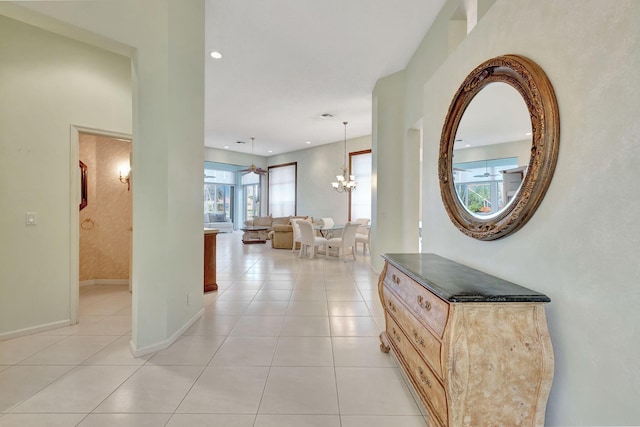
(286, 62)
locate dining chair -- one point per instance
(327, 222)
(309, 241)
(362, 221)
(346, 241)
(365, 240)
(296, 232)
(363, 224)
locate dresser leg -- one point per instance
(384, 343)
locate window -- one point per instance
(479, 184)
(282, 189)
(360, 205)
(251, 191)
(218, 195)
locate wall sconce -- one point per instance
(125, 177)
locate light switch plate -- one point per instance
(31, 218)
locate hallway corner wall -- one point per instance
(45, 87)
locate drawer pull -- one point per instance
(417, 338)
(424, 303)
(424, 378)
(395, 279)
(395, 334)
(392, 306)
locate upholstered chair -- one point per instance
(296, 232)
(309, 241)
(346, 241)
(364, 239)
(363, 225)
(327, 222)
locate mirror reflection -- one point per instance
(491, 150)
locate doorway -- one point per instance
(102, 222)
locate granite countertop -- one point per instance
(455, 282)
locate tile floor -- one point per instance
(284, 342)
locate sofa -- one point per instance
(280, 230)
(218, 221)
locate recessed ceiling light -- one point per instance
(308, 142)
(468, 145)
(226, 146)
(271, 151)
(529, 133)
(216, 55)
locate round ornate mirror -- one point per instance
(499, 147)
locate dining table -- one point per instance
(331, 231)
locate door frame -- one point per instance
(74, 212)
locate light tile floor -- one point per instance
(284, 342)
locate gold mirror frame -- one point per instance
(536, 90)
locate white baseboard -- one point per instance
(104, 282)
(34, 329)
(137, 352)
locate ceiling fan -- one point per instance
(486, 173)
(253, 168)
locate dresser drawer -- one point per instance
(427, 307)
(426, 344)
(427, 384)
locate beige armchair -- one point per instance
(281, 233)
(282, 237)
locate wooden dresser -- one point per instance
(476, 348)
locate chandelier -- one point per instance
(342, 184)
